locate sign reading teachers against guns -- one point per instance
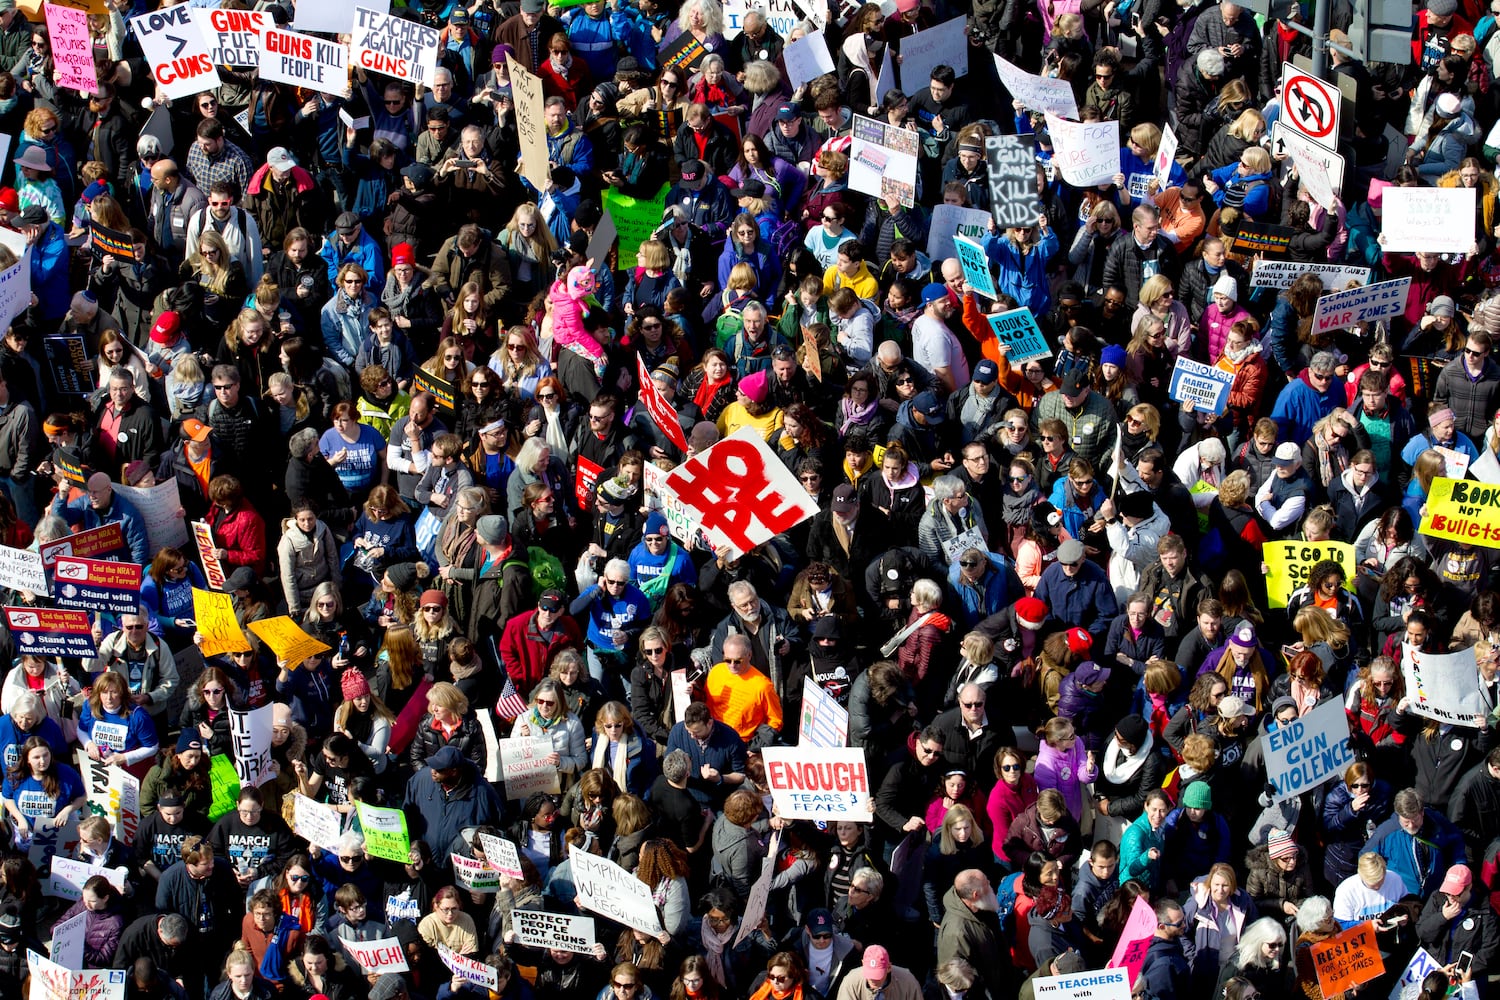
(395, 46)
(1302, 754)
(1204, 386)
(176, 51)
(1288, 564)
(1442, 686)
(1017, 330)
(1038, 93)
(304, 61)
(1086, 153)
(540, 929)
(1012, 166)
(1341, 310)
(827, 783)
(1102, 984)
(976, 265)
(614, 893)
(1463, 512)
(1430, 219)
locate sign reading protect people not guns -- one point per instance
(540, 929)
(826, 783)
(1462, 511)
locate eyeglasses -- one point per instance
(297, 878)
(349, 859)
(223, 386)
(433, 610)
(778, 979)
(546, 395)
(354, 281)
(859, 889)
(972, 704)
(830, 218)
(1361, 784)
(1106, 77)
(133, 628)
(905, 380)
(615, 583)
(547, 702)
(928, 751)
(453, 357)
(734, 659)
(651, 326)
(395, 103)
(623, 986)
(1047, 437)
(239, 653)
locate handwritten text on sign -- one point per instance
(1304, 753)
(1443, 686)
(1289, 563)
(827, 783)
(1341, 310)
(377, 957)
(1436, 220)
(612, 892)
(395, 46)
(1085, 153)
(72, 49)
(1463, 512)
(1347, 959)
(1012, 173)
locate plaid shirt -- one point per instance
(230, 165)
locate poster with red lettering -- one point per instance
(176, 51)
(826, 783)
(72, 49)
(1140, 928)
(583, 485)
(661, 411)
(378, 956)
(741, 493)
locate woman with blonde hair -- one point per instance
(1428, 466)
(1157, 298)
(651, 278)
(449, 721)
(1231, 140)
(621, 747)
(830, 186)
(958, 844)
(528, 243)
(1147, 357)
(519, 362)
(220, 276)
(704, 20)
(186, 385)
(1063, 764)
(548, 716)
(248, 345)
(1244, 185)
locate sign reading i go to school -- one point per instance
(1203, 386)
(976, 265)
(1288, 564)
(1463, 512)
(1017, 329)
(1308, 751)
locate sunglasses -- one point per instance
(970, 563)
(972, 704)
(546, 395)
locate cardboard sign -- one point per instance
(1442, 686)
(385, 832)
(113, 793)
(233, 36)
(1308, 751)
(95, 585)
(304, 61)
(1012, 172)
(105, 540)
(540, 929)
(1103, 984)
(1261, 238)
(807, 59)
(473, 875)
(524, 767)
(760, 892)
(825, 723)
(175, 49)
(377, 957)
(742, 494)
(971, 538)
(287, 640)
(613, 893)
(820, 783)
(976, 265)
(661, 411)
(72, 49)
(250, 738)
(51, 981)
(1462, 511)
(531, 127)
(15, 291)
(1018, 330)
(945, 44)
(396, 46)
(158, 506)
(1428, 219)
(1486, 468)
(500, 854)
(1281, 274)
(21, 569)
(69, 875)
(951, 221)
(1204, 386)
(1038, 93)
(584, 483)
(883, 160)
(441, 389)
(470, 970)
(1166, 158)
(50, 632)
(213, 615)
(1135, 939)
(208, 554)
(1341, 310)
(1347, 959)
(318, 824)
(1085, 153)
(1288, 564)
(67, 941)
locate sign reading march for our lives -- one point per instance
(1102, 984)
(821, 783)
(1017, 330)
(1288, 564)
(176, 51)
(1442, 686)
(1462, 511)
(1430, 219)
(1205, 387)
(1341, 310)
(1085, 153)
(1308, 751)
(396, 46)
(614, 893)
(1011, 160)
(976, 265)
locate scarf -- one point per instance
(1243, 354)
(535, 720)
(1119, 772)
(622, 759)
(301, 909)
(1132, 442)
(767, 993)
(273, 965)
(398, 300)
(714, 944)
(1016, 508)
(851, 415)
(903, 317)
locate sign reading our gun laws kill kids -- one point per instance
(1304, 753)
(96, 585)
(304, 61)
(1012, 170)
(395, 46)
(883, 160)
(1341, 310)
(1443, 686)
(176, 51)
(233, 36)
(540, 929)
(1201, 387)
(820, 783)
(1462, 511)
(1348, 959)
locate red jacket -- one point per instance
(526, 655)
(242, 535)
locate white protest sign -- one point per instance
(1486, 469)
(1037, 93)
(531, 125)
(304, 61)
(501, 855)
(682, 694)
(318, 824)
(1101, 984)
(1455, 463)
(15, 291)
(68, 876)
(949, 221)
(474, 875)
(468, 969)
(1427, 219)
(1321, 170)
(962, 542)
(1204, 386)
(176, 51)
(540, 929)
(1417, 969)
(21, 569)
(113, 793)
(1085, 153)
(614, 893)
(67, 940)
(335, 17)
(1281, 274)
(883, 160)
(976, 265)
(158, 506)
(945, 44)
(1341, 310)
(885, 77)
(233, 36)
(826, 783)
(825, 723)
(1308, 751)
(1442, 686)
(396, 46)
(1166, 158)
(53, 981)
(376, 957)
(524, 767)
(250, 738)
(807, 59)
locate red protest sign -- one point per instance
(107, 539)
(208, 552)
(1348, 959)
(583, 486)
(741, 492)
(661, 411)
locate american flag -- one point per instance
(511, 704)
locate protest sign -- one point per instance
(68, 361)
(1417, 969)
(1012, 172)
(971, 538)
(67, 938)
(1135, 939)
(1166, 158)
(208, 554)
(883, 160)
(72, 49)
(585, 481)
(106, 242)
(1281, 274)
(1288, 564)
(950, 221)
(885, 74)
(1347, 959)
(70, 462)
(1486, 468)
(377, 957)
(1428, 219)
(334, 17)
(21, 569)
(540, 929)
(1085, 153)
(112, 792)
(385, 832)
(443, 391)
(1341, 310)
(1204, 387)
(213, 616)
(682, 694)
(1442, 686)
(742, 494)
(1260, 238)
(603, 240)
(1463, 512)
(15, 291)
(287, 640)
(176, 52)
(807, 59)
(470, 970)
(822, 783)
(1455, 463)
(760, 892)
(1018, 330)
(319, 824)
(1038, 93)
(380, 42)
(158, 506)
(500, 854)
(69, 874)
(524, 767)
(105, 540)
(1102, 984)
(825, 723)
(681, 522)
(531, 126)
(976, 265)
(945, 44)
(613, 893)
(1304, 753)
(635, 219)
(686, 53)
(304, 61)
(1314, 174)
(96, 585)
(475, 876)
(233, 36)
(1325, 166)
(661, 411)
(224, 785)
(53, 981)
(50, 632)
(250, 738)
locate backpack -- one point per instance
(546, 570)
(729, 324)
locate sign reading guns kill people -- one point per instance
(883, 160)
(1308, 751)
(1012, 164)
(827, 783)
(304, 61)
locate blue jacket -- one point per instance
(172, 601)
(1074, 517)
(1001, 589)
(581, 160)
(725, 753)
(1421, 442)
(1257, 190)
(1299, 406)
(1192, 849)
(1086, 600)
(1398, 848)
(599, 41)
(1024, 278)
(12, 739)
(49, 272)
(762, 259)
(439, 817)
(121, 512)
(630, 613)
(1138, 171)
(366, 253)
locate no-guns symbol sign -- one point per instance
(1310, 106)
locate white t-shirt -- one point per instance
(934, 346)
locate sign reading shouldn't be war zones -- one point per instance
(72, 49)
(1462, 511)
(1348, 959)
(1017, 330)
(821, 783)
(304, 61)
(500, 854)
(971, 257)
(1288, 564)
(1101, 984)
(176, 52)
(540, 929)
(1085, 153)
(1430, 219)
(1012, 170)
(380, 42)
(1204, 387)
(1308, 751)
(614, 893)
(1341, 310)
(1038, 93)
(1442, 686)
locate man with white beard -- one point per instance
(971, 931)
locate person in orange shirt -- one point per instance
(1030, 381)
(1182, 215)
(740, 696)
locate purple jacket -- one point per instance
(101, 935)
(1087, 710)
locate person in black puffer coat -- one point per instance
(448, 721)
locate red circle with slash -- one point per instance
(1310, 92)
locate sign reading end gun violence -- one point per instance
(827, 783)
(1463, 512)
(1347, 959)
(1308, 751)
(540, 929)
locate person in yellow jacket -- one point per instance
(850, 271)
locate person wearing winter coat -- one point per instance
(1131, 764)
(970, 930)
(448, 722)
(1135, 525)
(1395, 840)
(1196, 836)
(308, 555)
(1244, 185)
(1449, 135)
(1080, 698)
(1143, 843)
(1048, 827)
(1352, 810)
(1279, 876)
(1217, 912)
(1307, 399)
(1458, 919)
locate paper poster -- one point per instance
(377, 957)
(500, 854)
(1135, 939)
(1303, 754)
(1038, 93)
(95, 543)
(214, 619)
(224, 782)
(559, 931)
(946, 44)
(250, 739)
(1206, 387)
(524, 768)
(334, 17)
(825, 723)
(304, 61)
(113, 793)
(69, 875)
(661, 412)
(1348, 959)
(585, 481)
(949, 221)
(883, 160)
(1085, 153)
(158, 506)
(69, 363)
(319, 824)
(819, 783)
(15, 291)
(1102, 984)
(1012, 171)
(473, 875)
(635, 219)
(531, 125)
(175, 50)
(50, 632)
(614, 893)
(67, 938)
(1166, 158)
(603, 240)
(1428, 219)
(208, 554)
(760, 892)
(21, 569)
(1442, 686)
(385, 832)
(400, 47)
(470, 970)
(1486, 468)
(53, 981)
(1462, 511)
(1018, 330)
(1369, 303)
(233, 36)
(72, 49)
(96, 585)
(807, 59)
(976, 265)
(1455, 463)
(287, 640)
(682, 694)
(1281, 274)
(1289, 562)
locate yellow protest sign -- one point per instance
(1289, 562)
(1463, 512)
(287, 640)
(214, 614)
